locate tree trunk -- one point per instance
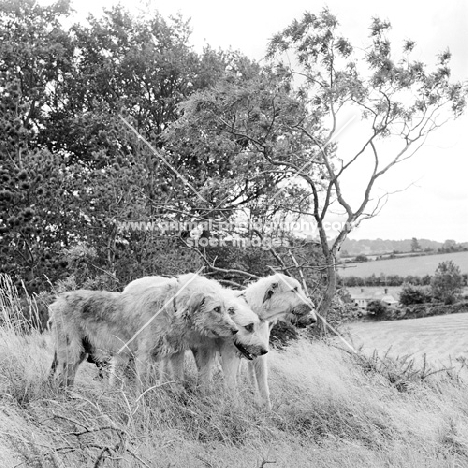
(328, 296)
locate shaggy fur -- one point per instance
(103, 323)
(273, 298)
(248, 341)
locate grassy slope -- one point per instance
(408, 266)
(329, 411)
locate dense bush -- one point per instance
(410, 295)
(447, 282)
(377, 309)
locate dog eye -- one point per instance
(217, 309)
(296, 289)
(231, 310)
(249, 327)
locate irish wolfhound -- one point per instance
(272, 298)
(247, 341)
(161, 321)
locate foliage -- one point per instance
(403, 372)
(19, 311)
(360, 259)
(411, 295)
(383, 281)
(415, 245)
(377, 309)
(68, 164)
(447, 282)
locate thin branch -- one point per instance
(215, 268)
(301, 273)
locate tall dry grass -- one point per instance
(330, 409)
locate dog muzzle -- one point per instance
(301, 310)
(243, 351)
(259, 351)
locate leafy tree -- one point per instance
(447, 282)
(377, 309)
(415, 245)
(278, 128)
(68, 164)
(33, 47)
(411, 295)
(361, 259)
(449, 244)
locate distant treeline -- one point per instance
(391, 280)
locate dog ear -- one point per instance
(196, 301)
(269, 292)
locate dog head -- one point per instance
(209, 315)
(279, 297)
(249, 341)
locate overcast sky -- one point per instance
(436, 205)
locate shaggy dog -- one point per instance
(273, 298)
(247, 341)
(161, 321)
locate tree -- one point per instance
(68, 165)
(280, 129)
(447, 282)
(415, 245)
(449, 244)
(33, 48)
(411, 295)
(361, 259)
(377, 309)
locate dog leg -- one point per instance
(230, 364)
(69, 355)
(69, 368)
(252, 376)
(141, 368)
(177, 364)
(204, 358)
(118, 366)
(260, 366)
(165, 369)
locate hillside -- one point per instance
(354, 247)
(406, 266)
(330, 409)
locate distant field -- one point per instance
(440, 338)
(409, 266)
(393, 290)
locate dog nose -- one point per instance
(263, 351)
(234, 330)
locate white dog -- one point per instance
(161, 321)
(272, 298)
(250, 340)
